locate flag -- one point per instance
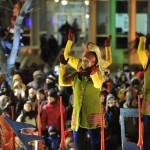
(25, 139)
(6, 134)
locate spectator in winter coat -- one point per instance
(129, 96)
(27, 115)
(112, 119)
(110, 86)
(3, 101)
(51, 82)
(38, 80)
(122, 81)
(51, 112)
(19, 96)
(41, 98)
(53, 139)
(31, 95)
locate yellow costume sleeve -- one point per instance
(67, 49)
(142, 53)
(65, 79)
(73, 61)
(97, 79)
(108, 59)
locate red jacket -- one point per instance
(51, 116)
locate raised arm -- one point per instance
(142, 53)
(64, 79)
(68, 45)
(73, 61)
(108, 59)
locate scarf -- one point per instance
(85, 72)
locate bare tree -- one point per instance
(9, 63)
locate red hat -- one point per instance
(90, 56)
(140, 74)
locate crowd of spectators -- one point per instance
(38, 84)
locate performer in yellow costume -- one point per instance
(86, 83)
(144, 57)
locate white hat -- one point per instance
(110, 96)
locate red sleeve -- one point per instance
(44, 119)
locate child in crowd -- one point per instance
(112, 119)
(27, 115)
(53, 140)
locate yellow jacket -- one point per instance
(144, 59)
(86, 104)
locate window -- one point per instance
(141, 17)
(122, 24)
(102, 20)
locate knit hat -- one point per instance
(90, 56)
(38, 72)
(53, 93)
(110, 96)
(41, 91)
(51, 77)
(51, 129)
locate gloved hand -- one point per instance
(107, 41)
(70, 35)
(94, 70)
(62, 59)
(142, 38)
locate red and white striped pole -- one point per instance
(102, 129)
(62, 143)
